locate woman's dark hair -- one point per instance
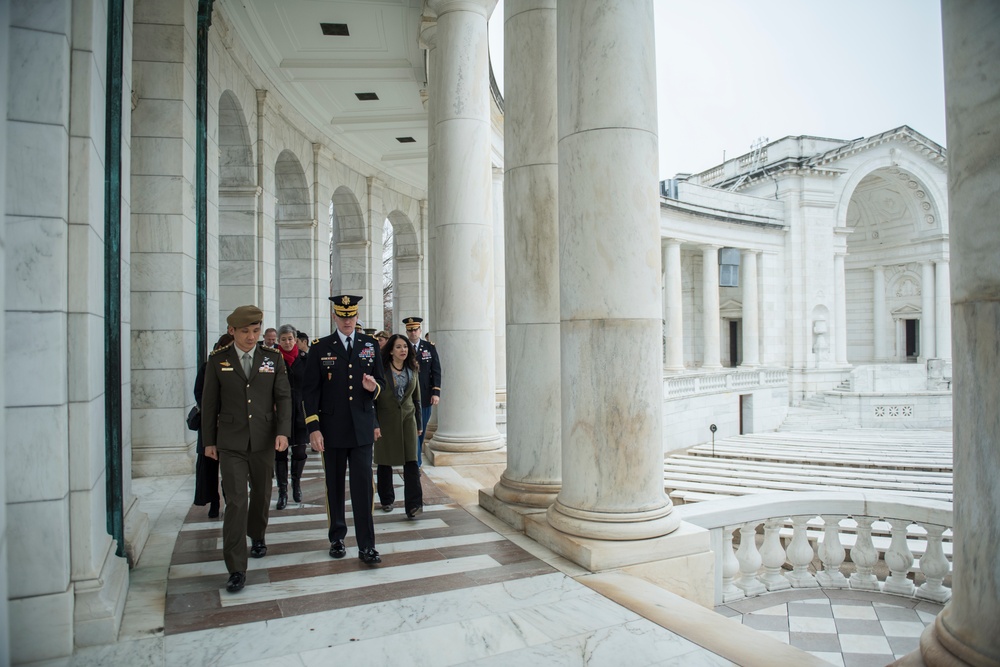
(224, 340)
(411, 356)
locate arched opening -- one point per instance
(236, 261)
(405, 269)
(294, 247)
(349, 252)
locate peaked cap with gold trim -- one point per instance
(412, 322)
(345, 305)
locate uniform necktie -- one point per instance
(350, 347)
(247, 363)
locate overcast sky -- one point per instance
(730, 71)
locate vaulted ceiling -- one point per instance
(327, 77)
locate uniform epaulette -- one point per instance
(314, 341)
(221, 349)
(268, 348)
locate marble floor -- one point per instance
(456, 586)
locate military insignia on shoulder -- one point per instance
(221, 349)
(314, 341)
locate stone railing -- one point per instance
(907, 534)
(691, 384)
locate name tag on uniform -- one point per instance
(225, 369)
(328, 361)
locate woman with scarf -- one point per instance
(295, 361)
(399, 418)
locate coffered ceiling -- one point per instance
(324, 75)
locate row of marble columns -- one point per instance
(935, 312)
(673, 310)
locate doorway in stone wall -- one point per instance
(911, 336)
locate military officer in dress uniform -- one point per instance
(343, 377)
(246, 415)
(430, 376)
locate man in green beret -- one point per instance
(246, 416)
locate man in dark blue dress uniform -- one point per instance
(430, 375)
(343, 377)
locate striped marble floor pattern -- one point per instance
(444, 548)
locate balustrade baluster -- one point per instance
(772, 555)
(934, 567)
(898, 559)
(730, 566)
(749, 558)
(800, 555)
(864, 556)
(831, 554)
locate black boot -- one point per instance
(281, 474)
(298, 465)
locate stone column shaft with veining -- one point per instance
(751, 321)
(531, 230)
(462, 218)
(928, 322)
(840, 309)
(712, 354)
(673, 305)
(878, 313)
(965, 632)
(609, 275)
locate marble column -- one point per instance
(609, 275)
(928, 322)
(712, 354)
(942, 308)
(463, 274)
(965, 632)
(4, 544)
(429, 41)
(673, 306)
(499, 287)
(879, 314)
(531, 233)
(840, 310)
(751, 306)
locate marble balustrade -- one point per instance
(909, 535)
(691, 384)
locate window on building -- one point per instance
(729, 267)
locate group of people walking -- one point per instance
(346, 398)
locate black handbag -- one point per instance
(194, 419)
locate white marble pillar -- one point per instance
(428, 40)
(531, 233)
(4, 547)
(840, 310)
(712, 354)
(751, 306)
(965, 632)
(879, 314)
(942, 308)
(673, 306)
(609, 275)
(463, 275)
(928, 321)
(499, 287)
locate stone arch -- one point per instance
(895, 209)
(406, 268)
(294, 246)
(349, 245)
(237, 247)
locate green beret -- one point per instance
(244, 316)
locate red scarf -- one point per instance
(290, 357)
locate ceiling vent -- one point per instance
(406, 140)
(366, 97)
(335, 29)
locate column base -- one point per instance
(162, 461)
(598, 554)
(136, 531)
(614, 526)
(511, 514)
(525, 493)
(445, 450)
(99, 603)
(940, 648)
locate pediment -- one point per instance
(731, 309)
(906, 312)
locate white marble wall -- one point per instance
(690, 417)
(163, 243)
(499, 284)
(4, 545)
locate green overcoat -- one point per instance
(399, 421)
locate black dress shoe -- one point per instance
(369, 556)
(258, 549)
(213, 511)
(387, 508)
(337, 549)
(237, 580)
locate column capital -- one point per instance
(941, 261)
(670, 241)
(428, 33)
(441, 7)
(705, 247)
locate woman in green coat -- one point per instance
(399, 418)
